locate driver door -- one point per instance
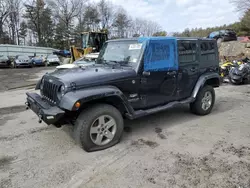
(159, 72)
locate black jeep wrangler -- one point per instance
(131, 78)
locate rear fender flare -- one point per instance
(202, 80)
(91, 94)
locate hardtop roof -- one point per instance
(177, 38)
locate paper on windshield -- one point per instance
(135, 46)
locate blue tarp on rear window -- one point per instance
(160, 54)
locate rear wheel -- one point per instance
(204, 101)
(98, 127)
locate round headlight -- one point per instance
(61, 91)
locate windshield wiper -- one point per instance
(110, 62)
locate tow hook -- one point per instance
(27, 105)
(40, 118)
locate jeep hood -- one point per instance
(91, 75)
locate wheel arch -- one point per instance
(103, 94)
(113, 100)
(212, 79)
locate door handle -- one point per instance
(145, 73)
(171, 73)
(193, 69)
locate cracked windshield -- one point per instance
(124, 94)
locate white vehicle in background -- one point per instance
(22, 61)
(82, 62)
(87, 60)
(52, 60)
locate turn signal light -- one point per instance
(77, 105)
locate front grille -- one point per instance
(50, 91)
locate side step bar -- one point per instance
(141, 113)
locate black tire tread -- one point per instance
(84, 120)
(196, 108)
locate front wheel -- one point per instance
(204, 101)
(98, 127)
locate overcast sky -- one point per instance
(176, 15)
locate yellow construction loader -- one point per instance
(91, 43)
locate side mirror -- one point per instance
(145, 73)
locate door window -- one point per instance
(187, 51)
(161, 55)
(208, 51)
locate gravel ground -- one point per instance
(21, 77)
(170, 149)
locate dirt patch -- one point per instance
(5, 183)
(158, 130)
(17, 78)
(23, 122)
(9, 138)
(210, 171)
(240, 152)
(142, 142)
(5, 161)
(5, 119)
(33, 131)
(159, 133)
(127, 129)
(162, 136)
(152, 180)
(12, 109)
(38, 130)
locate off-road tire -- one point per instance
(81, 132)
(196, 106)
(234, 82)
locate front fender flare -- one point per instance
(94, 93)
(202, 80)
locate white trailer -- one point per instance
(13, 50)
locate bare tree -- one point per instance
(14, 18)
(34, 11)
(137, 26)
(23, 31)
(242, 5)
(151, 27)
(121, 22)
(91, 17)
(144, 27)
(4, 12)
(106, 12)
(66, 11)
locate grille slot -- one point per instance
(50, 91)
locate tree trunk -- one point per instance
(1, 29)
(18, 37)
(13, 34)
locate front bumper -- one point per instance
(39, 63)
(24, 64)
(46, 112)
(53, 63)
